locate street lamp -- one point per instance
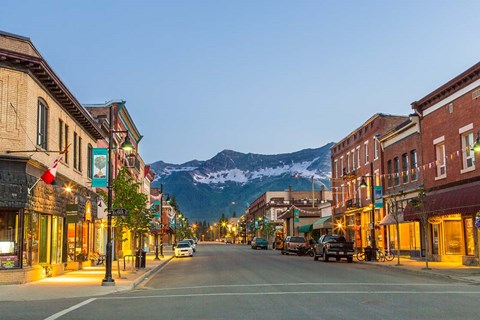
(363, 184)
(127, 146)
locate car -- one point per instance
(258, 242)
(291, 244)
(183, 249)
(192, 243)
(228, 240)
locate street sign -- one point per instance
(119, 212)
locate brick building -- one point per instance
(449, 119)
(402, 180)
(355, 158)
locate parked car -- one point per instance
(192, 243)
(261, 243)
(183, 249)
(292, 243)
(228, 240)
(333, 245)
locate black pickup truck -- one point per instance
(335, 246)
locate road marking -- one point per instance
(313, 284)
(193, 295)
(64, 312)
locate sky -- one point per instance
(259, 76)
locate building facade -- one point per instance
(401, 149)
(450, 120)
(357, 158)
(39, 117)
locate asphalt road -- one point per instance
(236, 282)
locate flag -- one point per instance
(49, 175)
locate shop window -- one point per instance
(9, 242)
(31, 239)
(453, 237)
(57, 239)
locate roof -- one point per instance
(19, 53)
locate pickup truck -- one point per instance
(292, 243)
(261, 243)
(335, 246)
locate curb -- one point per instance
(153, 270)
(430, 273)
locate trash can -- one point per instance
(368, 253)
(140, 258)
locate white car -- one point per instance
(183, 249)
(192, 243)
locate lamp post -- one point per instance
(363, 184)
(127, 146)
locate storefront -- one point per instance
(408, 234)
(81, 232)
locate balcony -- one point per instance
(352, 203)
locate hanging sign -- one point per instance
(378, 196)
(100, 167)
(296, 214)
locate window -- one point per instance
(468, 155)
(90, 159)
(390, 172)
(405, 171)
(348, 161)
(413, 164)
(60, 135)
(80, 154)
(335, 166)
(375, 149)
(341, 165)
(440, 160)
(42, 124)
(366, 153)
(396, 169)
(66, 144)
(75, 154)
(358, 157)
(353, 159)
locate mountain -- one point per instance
(231, 180)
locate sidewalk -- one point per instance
(83, 283)
(450, 270)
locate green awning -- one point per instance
(323, 223)
(305, 228)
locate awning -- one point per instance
(464, 200)
(305, 228)
(323, 223)
(390, 219)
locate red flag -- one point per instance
(49, 175)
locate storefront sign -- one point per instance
(72, 213)
(100, 167)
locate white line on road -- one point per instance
(285, 293)
(64, 312)
(311, 284)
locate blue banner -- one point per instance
(378, 196)
(100, 167)
(296, 214)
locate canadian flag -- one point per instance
(49, 175)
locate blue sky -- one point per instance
(254, 76)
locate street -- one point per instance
(224, 281)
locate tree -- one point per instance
(395, 208)
(126, 196)
(419, 206)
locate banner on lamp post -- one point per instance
(296, 214)
(378, 196)
(100, 167)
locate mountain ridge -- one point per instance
(230, 180)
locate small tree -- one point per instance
(419, 207)
(395, 208)
(127, 196)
